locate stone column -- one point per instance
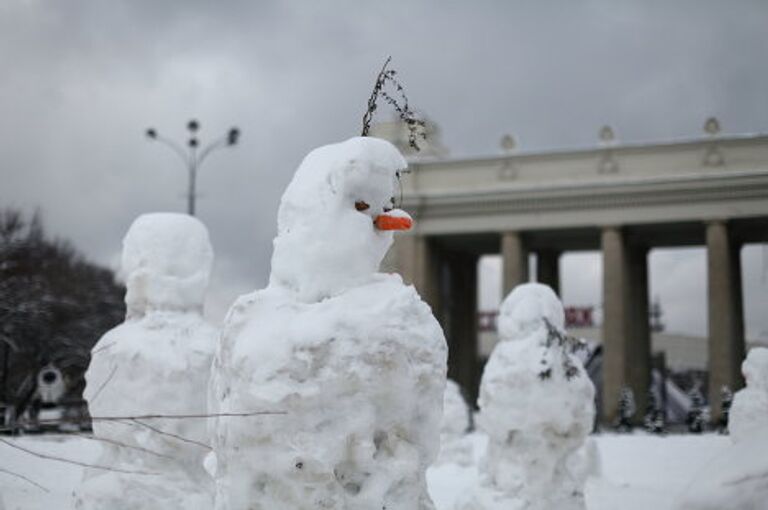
(548, 269)
(726, 317)
(626, 342)
(514, 257)
(460, 325)
(416, 259)
(638, 363)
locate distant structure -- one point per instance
(50, 384)
(655, 316)
(194, 154)
(623, 199)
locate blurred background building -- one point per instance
(621, 199)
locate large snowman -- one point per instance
(156, 362)
(537, 407)
(353, 358)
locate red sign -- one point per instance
(575, 317)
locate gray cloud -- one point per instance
(83, 79)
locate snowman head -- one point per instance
(166, 262)
(337, 216)
(755, 369)
(523, 311)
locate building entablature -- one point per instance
(651, 184)
(707, 156)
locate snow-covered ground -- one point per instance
(639, 471)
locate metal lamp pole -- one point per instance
(191, 156)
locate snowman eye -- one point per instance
(360, 205)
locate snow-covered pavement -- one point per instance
(640, 472)
(650, 472)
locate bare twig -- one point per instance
(102, 348)
(106, 381)
(125, 445)
(378, 84)
(184, 416)
(567, 346)
(387, 76)
(159, 417)
(168, 434)
(75, 462)
(17, 475)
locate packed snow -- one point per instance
(156, 363)
(324, 244)
(354, 359)
(739, 481)
(537, 407)
(640, 472)
(455, 445)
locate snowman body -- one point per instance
(352, 360)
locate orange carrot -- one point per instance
(386, 222)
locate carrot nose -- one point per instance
(393, 220)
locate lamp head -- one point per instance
(233, 136)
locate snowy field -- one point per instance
(639, 471)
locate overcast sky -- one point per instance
(81, 80)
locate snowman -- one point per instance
(749, 412)
(155, 363)
(537, 407)
(352, 360)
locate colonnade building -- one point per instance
(620, 199)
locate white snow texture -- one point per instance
(738, 480)
(536, 417)
(455, 446)
(156, 362)
(456, 414)
(354, 359)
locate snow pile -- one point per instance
(456, 414)
(536, 405)
(156, 362)
(354, 359)
(455, 446)
(738, 479)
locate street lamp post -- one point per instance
(193, 156)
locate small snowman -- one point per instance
(749, 411)
(537, 407)
(353, 359)
(155, 363)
